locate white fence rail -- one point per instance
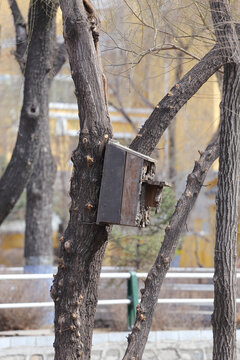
(199, 274)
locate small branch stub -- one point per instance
(90, 160)
(166, 260)
(89, 206)
(67, 246)
(189, 194)
(85, 141)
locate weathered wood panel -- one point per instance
(110, 198)
(132, 184)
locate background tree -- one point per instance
(39, 57)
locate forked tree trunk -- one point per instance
(224, 316)
(36, 72)
(41, 171)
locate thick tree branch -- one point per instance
(138, 338)
(167, 108)
(225, 30)
(21, 34)
(60, 59)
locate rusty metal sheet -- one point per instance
(132, 184)
(110, 199)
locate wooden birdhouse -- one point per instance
(128, 188)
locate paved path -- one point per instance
(162, 345)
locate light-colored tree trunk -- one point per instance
(36, 71)
(40, 59)
(38, 248)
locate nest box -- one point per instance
(128, 189)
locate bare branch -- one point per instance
(137, 339)
(203, 18)
(21, 34)
(154, 51)
(167, 108)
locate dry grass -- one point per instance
(24, 291)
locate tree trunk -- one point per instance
(36, 73)
(38, 249)
(38, 233)
(82, 248)
(224, 315)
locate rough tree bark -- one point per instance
(38, 234)
(225, 30)
(38, 247)
(224, 315)
(83, 244)
(74, 289)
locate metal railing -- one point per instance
(132, 290)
